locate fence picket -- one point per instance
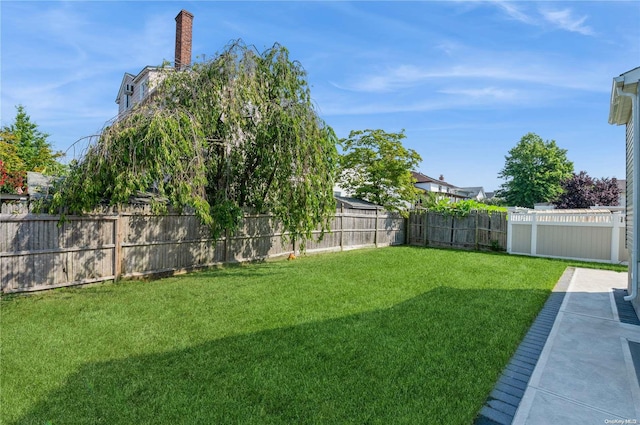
(36, 253)
(478, 231)
(587, 235)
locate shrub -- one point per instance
(462, 208)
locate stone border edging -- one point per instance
(502, 403)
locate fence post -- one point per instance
(424, 228)
(342, 227)
(615, 237)
(534, 233)
(407, 230)
(509, 232)
(477, 243)
(226, 246)
(117, 250)
(375, 235)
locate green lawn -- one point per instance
(395, 335)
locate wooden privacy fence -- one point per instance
(480, 230)
(36, 252)
(588, 235)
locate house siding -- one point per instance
(144, 84)
(629, 205)
(624, 109)
(630, 210)
(122, 100)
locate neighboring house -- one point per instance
(444, 190)
(622, 192)
(477, 193)
(624, 109)
(135, 88)
(490, 195)
(39, 185)
(344, 202)
(339, 191)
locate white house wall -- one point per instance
(144, 83)
(432, 187)
(629, 205)
(149, 78)
(122, 100)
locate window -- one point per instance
(144, 89)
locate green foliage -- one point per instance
(377, 168)
(495, 201)
(534, 170)
(233, 134)
(10, 182)
(25, 148)
(24, 142)
(495, 246)
(427, 199)
(9, 151)
(12, 169)
(462, 208)
(583, 191)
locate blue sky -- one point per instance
(465, 80)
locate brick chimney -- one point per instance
(184, 26)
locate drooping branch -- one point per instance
(238, 132)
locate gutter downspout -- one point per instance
(636, 191)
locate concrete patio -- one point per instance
(580, 361)
(585, 373)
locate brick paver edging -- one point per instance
(501, 405)
(626, 313)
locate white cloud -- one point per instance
(84, 59)
(484, 93)
(389, 79)
(483, 69)
(363, 107)
(514, 12)
(436, 99)
(565, 20)
(449, 47)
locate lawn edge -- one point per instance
(503, 401)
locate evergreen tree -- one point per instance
(31, 146)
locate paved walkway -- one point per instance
(585, 373)
(579, 362)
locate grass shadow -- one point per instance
(424, 360)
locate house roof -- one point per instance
(128, 77)
(423, 178)
(473, 191)
(146, 70)
(357, 203)
(620, 106)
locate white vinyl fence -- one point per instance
(588, 235)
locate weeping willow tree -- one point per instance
(233, 134)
